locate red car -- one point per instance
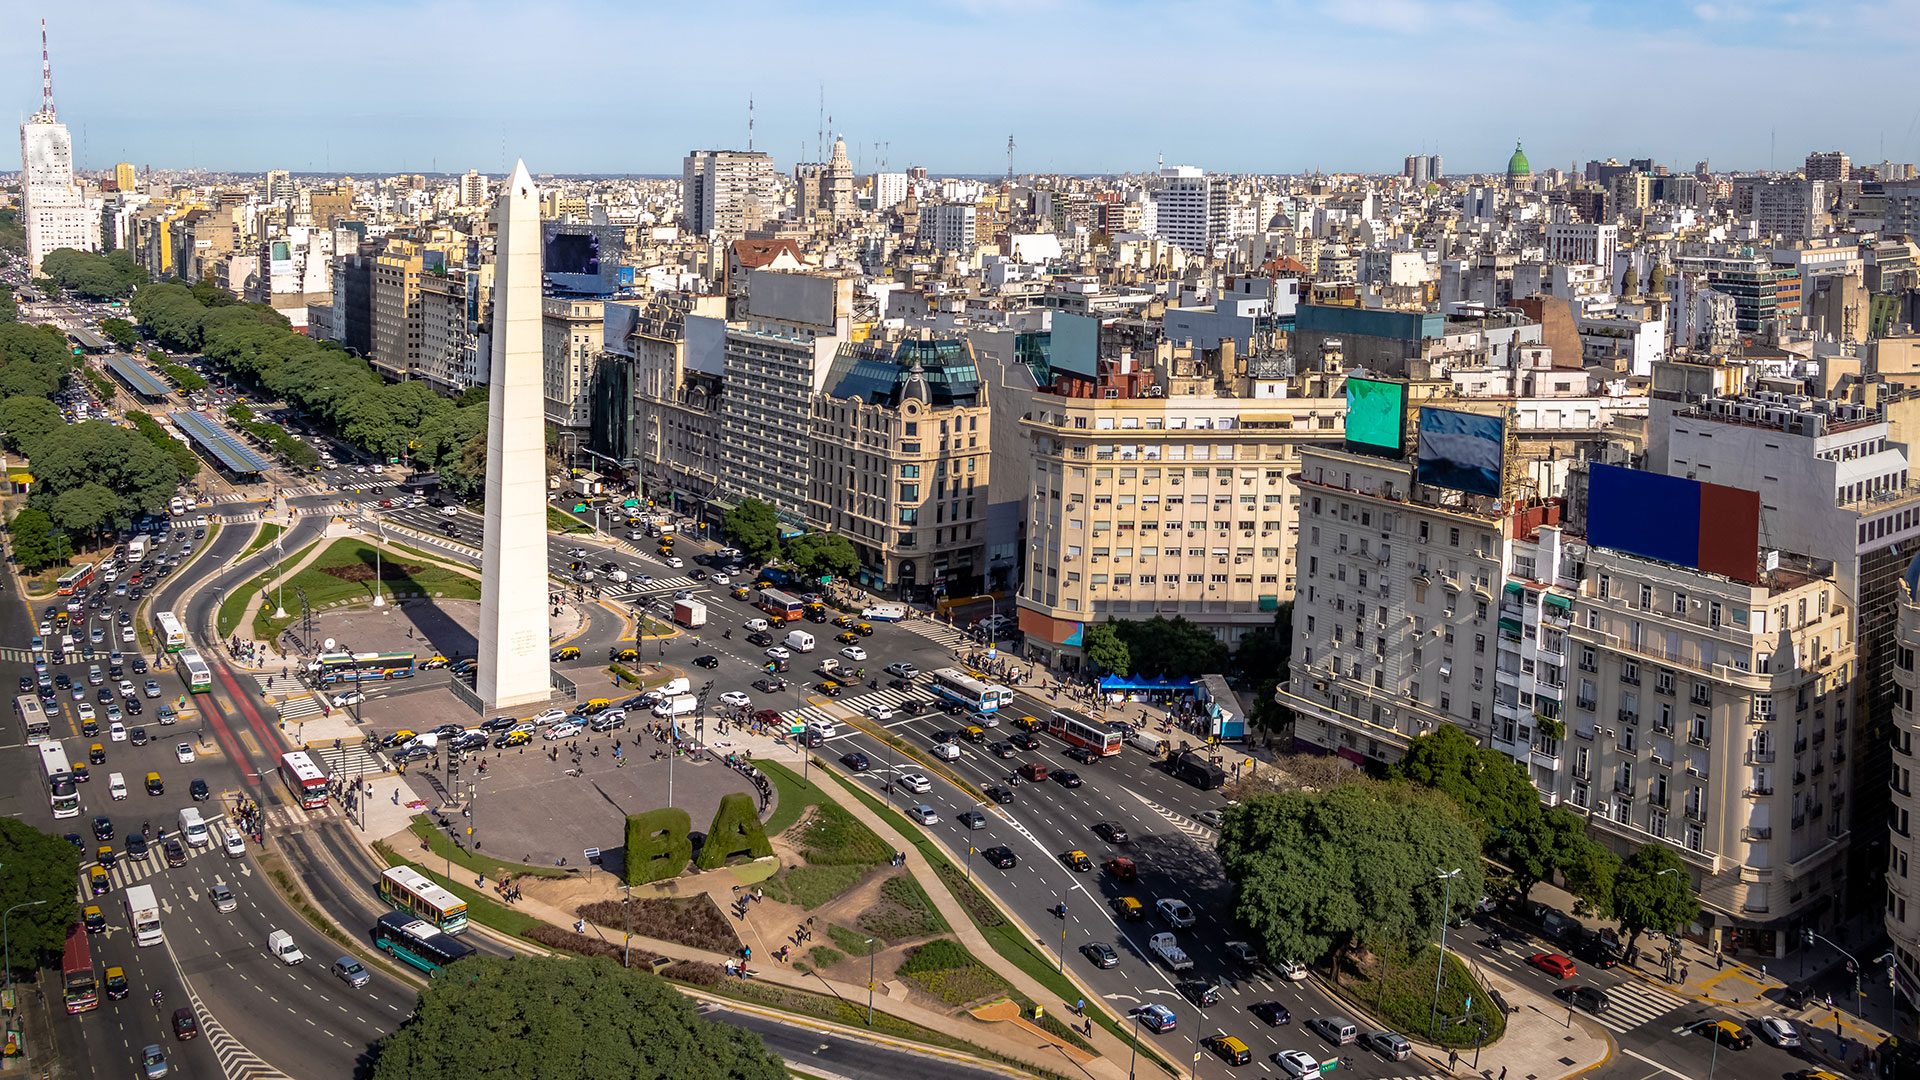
(386, 504)
(1553, 964)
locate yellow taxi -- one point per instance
(97, 754)
(515, 738)
(1129, 908)
(847, 637)
(974, 733)
(1078, 860)
(99, 882)
(625, 656)
(1230, 1049)
(94, 919)
(117, 985)
(863, 629)
(569, 653)
(1028, 724)
(740, 592)
(763, 583)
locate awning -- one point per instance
(1515, 588)
(1511, 626)
(1270, 603)
(1140, 682)
(1564, 603)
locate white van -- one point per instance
(676, 706)
(826, 729)
(233, 843)
(1151, 743)
(194, 827)
(675, 687)
(280, 944)
(799, 641)
(117, 786)
(754, 626)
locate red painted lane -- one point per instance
(228, 744)
(268, 742)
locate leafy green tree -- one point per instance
(90, 508)
(1265, 659)
(13, 236)
(499, 1018)
(34, 547)
(240, 412)
(183, 457)
(819, 554)
(9, 310)
(1653, 891)
(27, 420)
(1491, 788)
(1105, 651)
(755, 528)
(120, 459)
(1351, 868)
(121, 332)
(109, 276)
(48, 286)
(185, 378)
(1172, 647)
(36, 866)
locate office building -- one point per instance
(54, 211)
(1794, 209)
(901, 457)
(1903, 209)
(676, 345)
(1831, 167)
(1579, 242)
(726, 193)
(124, 177)
(889, 190)
(948, 226)
(1901, 917)
(1422, 169)
(453, 308)
(571, 338)
(473, 189)
(1189, 208)
(279, 184)
(396, 310)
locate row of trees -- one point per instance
(754, 528)
(391, 420)
(112, 275)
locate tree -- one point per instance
(755, 528)
(34, 547)
(121, 332)
(187, 379)
(499, 1018)
(109, 276)
(1652, 891)
(36, 866)
(819, 554)
(9, 310)
(1265, 659)
(240, 412)
(90, 508)
(1177, 648)
(27, 420)
(1329, 872)
(1556, 840)
(1105, 651)
(1491, 788)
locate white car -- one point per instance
(184, 753)
(676, 561)
(1778, 1032)
(854, 652)
(736, 699)
(126, 688)
(778, 652)
(1292, 970)
(565, 730)
(880, 713)
(754, 626)
(351, 697)
(721, 579)
(117, 732)
(86, 710)
(449, 511)
(548, 717)
(916, 783)
(1297, 1063)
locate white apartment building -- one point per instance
(473, 189)
(1189, 208)
(948, 226)
(726, 193)
(451, 309)
(889, 190)
(572, 343)
(1576, 242)
(1795, 209)
(54, 211)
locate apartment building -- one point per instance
(396, 310)
(776, 359)
(901, 464)
(452, 309)
(1189, 208)
(726, 193)
(571, 339)
(1145, 501)
(1796, 209)
(676, 344)
(1578, 242)
(948, 226)
(1903, 850)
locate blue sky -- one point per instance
(1082, 85)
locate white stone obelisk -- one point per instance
(513, 663)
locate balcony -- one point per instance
(1589, 704)
(1546, 761)
(1629, 716)
(1659, 800)
(1699, 738)
(1799, 820)
(1694, 768)
(1696, 814)
(1800, 745)
(1756, 832)
(1759, 792)
(1624, 787)
(1663, 762)
(1662, 727)
(1760, 757)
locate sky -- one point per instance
(1082, 86)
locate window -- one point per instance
(1679, 602)
(1646, 596)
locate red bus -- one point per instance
(1076, 730)
(76, 579)
(304, 780)
(81, 991)
(779, 606)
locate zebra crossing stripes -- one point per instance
(127, 871)
(1629, 1006)
(236, 1061)
(860, 703)
(300, 707)
(18, 656)
(938, 631)
(348, 761)
(631, 592)
(1191, 828)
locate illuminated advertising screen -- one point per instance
(1376, 416)
(1461, 451)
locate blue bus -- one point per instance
(337, 667)
(409, 938)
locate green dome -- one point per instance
(1517, 164)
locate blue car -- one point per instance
(1155, 1018)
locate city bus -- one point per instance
(416, 942)
(336, 667)
(167, 632)
(956, 685)
(63, 793)
(194, 671)
(33, 717)
(76, 579)
(411, 891)
(78, 986)
(1077, 730)
(779, 606)
(304, 780)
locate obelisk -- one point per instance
(513, 665)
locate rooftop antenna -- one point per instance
(820, 133)
(749, 123)
(46, 73)
(1009, 160)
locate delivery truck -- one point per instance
(690, 613)
(143, 915)
(1169, 951)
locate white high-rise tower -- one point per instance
(54, 212)
(513, 667)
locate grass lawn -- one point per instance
(791, 796)
(1400, 993)
(234, 604)
(480, 864)
(903, 911)
(561, 521)
(268, 533)
(945, 969)
(851, 942)
(345, 572)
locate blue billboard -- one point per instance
(1462, 451)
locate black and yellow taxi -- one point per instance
(739, 592)
(864, 629)
(1077, 860)
(98, 881)
(828, 687)
(570, 652)
(845, 622)
(1129, 908)
(1725, 1032)
(1029, 725)
(847, 638)
(117, 984)
(81, 775)
(154, 784)
(1231, 1050)
(97, 754)
(89, 727)
(623, 656)
(93, 918)
(104, 855)
(974, 733)
(512, 739)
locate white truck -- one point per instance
(799, 641)
(884, 613)
(684, 705)
(136, 550)
(280, 944)
(143, 915)
(1169, 951)
(690, 613)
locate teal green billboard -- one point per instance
(1377, 416)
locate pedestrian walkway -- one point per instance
(127, 870)
(946, 635)
(18, 656)
(632, 591)
(1630, 1005)
(859, 703)
(300, 707)
(353, 760)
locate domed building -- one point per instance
(1518, 170)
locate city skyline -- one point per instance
(1226, 99)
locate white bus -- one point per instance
(956, 685)
(63, 793)
(196, 673)
(33, 717)
(304, 780)
(168, 634)
(409, 890)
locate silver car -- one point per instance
(349, 971)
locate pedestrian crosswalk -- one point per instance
(946, 635)
(348, 761)
(127, 871)
(18, 656)
(1631, 1004)
(631, 591)
(300, 706)
(860, 703)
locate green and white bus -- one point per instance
(411, 939)
(168, 634)
(196, 673)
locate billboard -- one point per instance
(1376, 416)
(1462, 451)
(1675, 520)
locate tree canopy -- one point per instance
(120, 332)
(1172, 647)
(36, 866)
(34, 546)
(1357, 866)
(1653, 891)
(530, 1018)
(818, 554)
(1264, 658)
(109, 276)
(755, 529)
(1105, 651)
(9, 310)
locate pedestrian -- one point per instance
(1453, 1060)
(1683, 973)
(1503, 1072)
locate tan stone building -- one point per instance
(396, 310)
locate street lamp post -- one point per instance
(626, 948)
(1063, 932)
(1440, 970)
(1134, 1056)
(379, 600)
(1852, 964)
(870, 951)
